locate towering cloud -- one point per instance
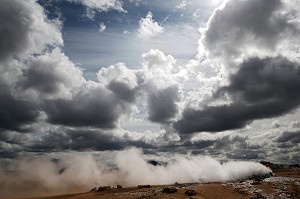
(25, 29)
(253, 42)
(28, 31)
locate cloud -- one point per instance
(51, 75)
(102, 27)
(28, 31)
(137, 2)
(261, 88)
(101, 5)
(121, 80)
(90, 14)
(162, 107)
(15, 113)
(91, 105)
(148, 27)
(82, 139)
(250, 28)
(182, 5)
(293, 137)
(158, 69)
(45, 85)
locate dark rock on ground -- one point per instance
(119, 186)
(257, 196)
(144, 186)
(94, 189)
(169, 190)
(256, 182)
(190, 192)
(104, 188)
(154, 163)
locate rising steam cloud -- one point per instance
(77, 172)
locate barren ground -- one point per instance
(285, 185)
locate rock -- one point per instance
(154, 163)
(177, 184)
(190, 192)
(258, 196)
(256, 182)
(119, 186)
(93, 189)
(104, 188)
(169, 190)
(144, 186)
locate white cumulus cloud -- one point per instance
(102, 27)
(148, 27)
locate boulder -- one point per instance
(94, 189)
(256, 182)
(190, 192)
(154, 163)
(119, 186)
(143, 186)
(169, 190)
(104, 188)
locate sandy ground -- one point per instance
(285, 185)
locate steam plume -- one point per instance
(77, 172)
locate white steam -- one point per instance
(76, 173)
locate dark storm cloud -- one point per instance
(230, 146)
(229, 142)
(245, 154)
(261, 88)
(89, 107)
(82, 140)
(212, 119)
(293, 137)
(201, 144)
(162, 105)
(15, 112)
(40, 79)
(123, 91)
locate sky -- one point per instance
(217, 78)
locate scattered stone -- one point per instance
(176, 184)
(169, 190)
(119, 186)
(144, 186)
(190, 192)
(258, 195)
(94, 189)
(104, 188)
(256, 182)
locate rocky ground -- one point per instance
(285, 185)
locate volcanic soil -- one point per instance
(285, 185)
